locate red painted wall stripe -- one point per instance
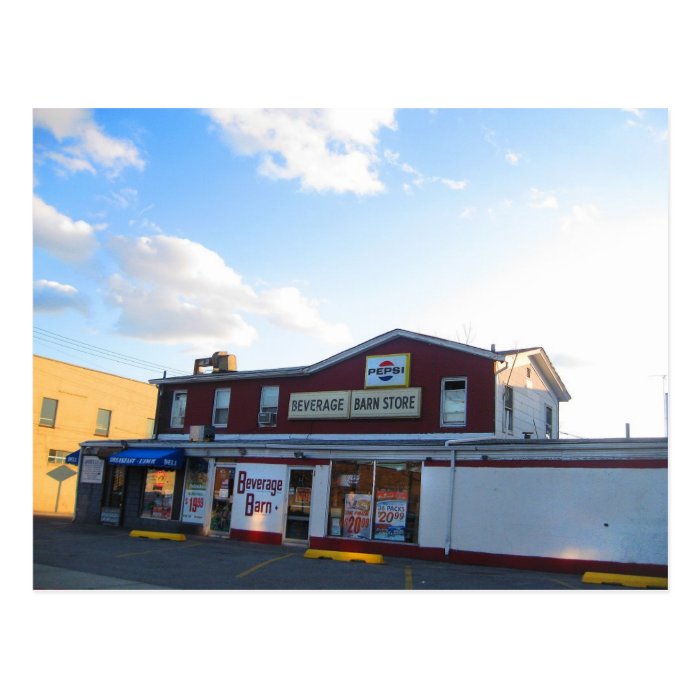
(256, 536)
(503, 561)
(554, 463)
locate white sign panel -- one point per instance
(193, 507)
(91, 470)
(388, 370)
(394, 403)
(319, 405)
(258, 497)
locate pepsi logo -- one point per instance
(387, 370)
(384, 371)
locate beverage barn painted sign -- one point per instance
(258, 498)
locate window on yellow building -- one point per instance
(104, 417)
(49, 408)
(57, 456)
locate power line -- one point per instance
(87, 349)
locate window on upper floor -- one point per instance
(548, 421)
(49, 408)
(104, 418)
(222, 399)
(269, 400)
(453, 401)
(508, 409)
(177, 413)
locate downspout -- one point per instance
(450, 509)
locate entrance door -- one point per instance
(299, 503)
(222, 498)
(113, 496)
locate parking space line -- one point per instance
(264, 563)
(408, 578)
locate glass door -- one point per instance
(113, 496)
(299, 503)
(222, 498)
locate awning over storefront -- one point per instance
(73, 458)
(173, 458)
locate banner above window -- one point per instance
(173, 458)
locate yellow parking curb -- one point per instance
(344, 556)
(626, 580)
(158, 535)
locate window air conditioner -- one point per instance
(267, 418)
(201, 433)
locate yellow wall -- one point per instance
(80, 392)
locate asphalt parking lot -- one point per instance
(68, 556)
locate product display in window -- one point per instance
(375, 500)
(158, 494)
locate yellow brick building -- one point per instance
(72, 404)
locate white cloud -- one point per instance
(325, 149)
(84, 143)
(173, 290)
(419, 180)
(69, 240)
(70, 163)
(542, 200)
(54, 297)
(637, 112)
(581, 214)
(467, 212)
(513, 158)
(454, 184)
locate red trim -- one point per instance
(291, 461)
(554, 463)
(507, 561)
(256, 536)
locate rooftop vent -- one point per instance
(219, 362)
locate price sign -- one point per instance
(357, 519)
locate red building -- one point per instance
(405, 444)
(453, 389)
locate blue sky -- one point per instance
(284, 236)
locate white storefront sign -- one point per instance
(319, 404)
(258, 497)
(194, 505)
(393, 403)
(91, 470)
(388, 370)
(368, 403)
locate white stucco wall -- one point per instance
(597, 514)
(319, 500)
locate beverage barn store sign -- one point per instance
(372, 403)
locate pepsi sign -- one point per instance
(387, 371)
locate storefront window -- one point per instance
(158, 494)
(377, 501)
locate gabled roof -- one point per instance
(538, 357)
(536, 354)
